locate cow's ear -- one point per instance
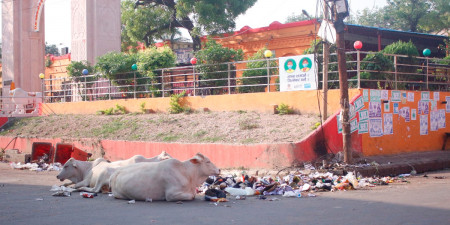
(194, 161)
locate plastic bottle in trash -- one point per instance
(235, 191)
(299, 195)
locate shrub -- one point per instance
(284, 109)
(258, 68)
(380, 64)
(175, 106)
(75, 69)
(142, 108)
(211, 59)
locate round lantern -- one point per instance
(426, 52)
(358, 45)
(194, 61)
(134, 67)
(85, 72)
(41, 75)
(267, 53)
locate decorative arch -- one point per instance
(37, 15)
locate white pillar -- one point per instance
(95, 28)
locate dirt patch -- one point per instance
(202, 127)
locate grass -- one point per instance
(212, 139)
(247, 124)
(248, 141)
(200, 133)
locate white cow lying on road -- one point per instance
(76, 170)
(98, 179)
(169, 180)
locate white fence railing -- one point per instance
(400, 72)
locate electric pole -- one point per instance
(325, 54)
(340, 12)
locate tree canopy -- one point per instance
(409, 15)
(147, 20)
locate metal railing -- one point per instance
(404, 73)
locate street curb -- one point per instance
(396, 169)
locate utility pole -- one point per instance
(339, 15)
(325, 54)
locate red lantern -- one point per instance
(357, 45)
(194, 61)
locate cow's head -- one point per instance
(163, 156)
(206, 167)
(69, 171)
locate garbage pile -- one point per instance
(36, 166)
(299, 184)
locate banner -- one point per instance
(297, 73)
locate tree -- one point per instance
(409, 15)
(295, 18)
(197, 16)
(51, 49)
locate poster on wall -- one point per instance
(413, 114)
(433, 105)
(297, 73)
(384, 94)
(396, 96)
(410, 96)
(353, 125)
(359, 103)
(395, 108)
(423, 124)
(404, 97)
(407, 114)
(388, 127)
(375, 95)
(434, 116)
(447, 106)
(423, 107)
(366, 95)
(387, 107)
(375, 127)
(363, 115)
(374, 109)
(339, 123)
(363, 127)
(425, 96)
(352, 111)
(441, 120)
(436, 96)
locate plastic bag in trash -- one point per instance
(236, 191)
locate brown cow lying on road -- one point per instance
(170, 180)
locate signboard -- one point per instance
(297, 73)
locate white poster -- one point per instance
(413, 114)
(359, 103)
(339, 124)
(366, 95)
(423, 124)
(363, 115)
(434, 116)
(384, 94)
(353, 125)
(436, 96)
(447, 106)
(410, 96)
(297, 73)
(363, 127)
(387, 107)
(374, 109)
(375, 95)
(376, 127)
(388, 127)
(441, 120)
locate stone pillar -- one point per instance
(23, 49)
(95, 28)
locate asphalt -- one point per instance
(405, 163)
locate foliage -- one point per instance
(295, 18)
(197, 16)
(175, 106)
(211, 61)
(118, 110)
(257, 69)
(155, 58)
(48, 61)
(409, 15)
(113, 63)
(75, 68)
(51, 49)
(315, 126)
(284, 109)
(142, 108)
(403, 48)
(379, 65)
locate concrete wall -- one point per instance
(302, 101)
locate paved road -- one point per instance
(422, 201)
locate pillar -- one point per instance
(23, 48)
(95, 28)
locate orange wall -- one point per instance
(302, 101)
(406, 137)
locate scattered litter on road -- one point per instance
(39, 199)
(88, 195)
(179, 202)
(439, 177)
(149, 200)
(61, 194)
(132, 201)
(62, 188)
(36, 166)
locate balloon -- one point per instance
(85, 72)
(358, 45)
(267, 53)
(194, 61)
(134, 67)
(426, 52)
